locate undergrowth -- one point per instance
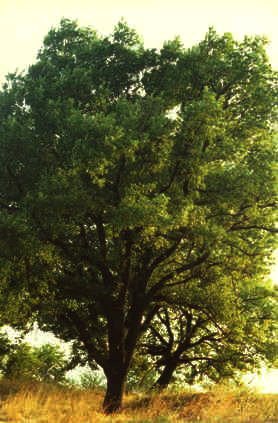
(41, 403)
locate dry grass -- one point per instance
(37, 403)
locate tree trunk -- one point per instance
(166, 375)
(122, 343)
(115, 389)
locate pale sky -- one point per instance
(24, 23)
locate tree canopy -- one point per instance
(127, 175)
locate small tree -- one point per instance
(124, 173)
(45, 364)
(227, 333)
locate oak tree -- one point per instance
(218, 332)
(125, 172)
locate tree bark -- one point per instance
(123, 334)
(116, 379)
(166, 375)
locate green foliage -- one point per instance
(131, 179)
(46, 363)
(142, 374)
(211, 340)
(5, 345)
(91, 380)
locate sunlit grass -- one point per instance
(38, 403)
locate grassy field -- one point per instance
(37, 403)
